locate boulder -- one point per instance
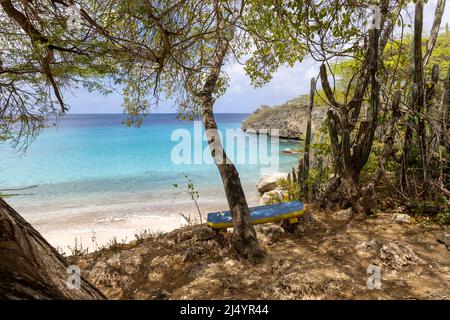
(398, 255)
(401, 218)
(343, 215)
(369, 248)
(269, 182)
(395, 255)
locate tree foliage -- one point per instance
(41, 60)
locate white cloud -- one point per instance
(428, 16)
(287, 83)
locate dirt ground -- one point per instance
(326, 258)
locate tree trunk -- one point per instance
(417, 100)
(350, 181)
(419, 85)
(446, 110)
(308, 137)
(440, 6)
(30, 268)
(404, 185)
(390, 138)
(349, 155)
(244, 240)
(369, 195)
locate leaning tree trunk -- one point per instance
(30, 268)
(446, 112)
(419, 86)
(244, 240)
(308, 138)
(439, 12)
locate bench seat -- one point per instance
(289, 211)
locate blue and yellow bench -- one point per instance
(284, 211)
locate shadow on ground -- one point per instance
(326, 258)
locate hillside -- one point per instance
(327, 258)
(289, 118)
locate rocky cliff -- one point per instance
(289, 118)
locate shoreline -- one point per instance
(98, 221)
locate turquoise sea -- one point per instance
(92, 169)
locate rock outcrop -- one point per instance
(395, 255)
(401, 218)
(343, 215)
(269, 182)
(289, 118)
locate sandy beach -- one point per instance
(95, 222)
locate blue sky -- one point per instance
(240, 97)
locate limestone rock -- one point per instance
(289, 119)
(104, 275)
(269, 182)
(197, 233)
(398, 255)
(343, 215)
(369, 248)
(401, 218)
